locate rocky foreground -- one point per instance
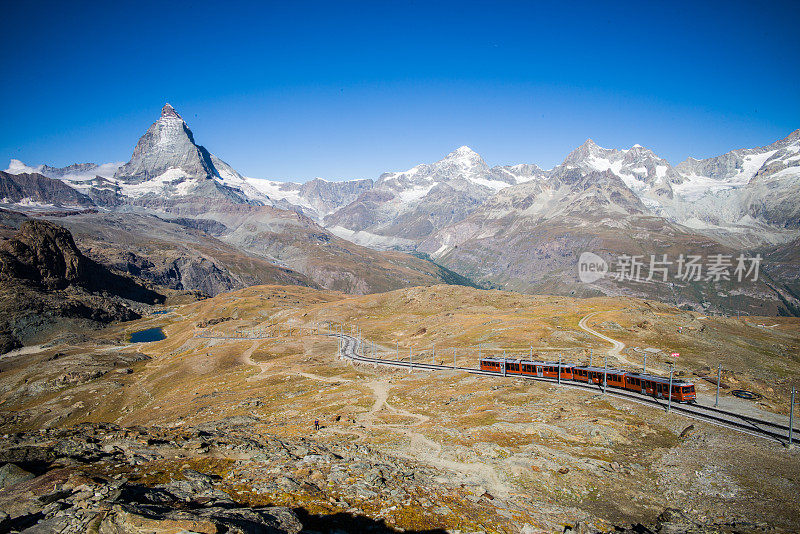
(223, 477)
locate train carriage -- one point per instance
(646, 384)
(658, 386)
(526, 367)
(551, 370)
(594, 375)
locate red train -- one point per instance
(646, 384)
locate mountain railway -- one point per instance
(752, 426)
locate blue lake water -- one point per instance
(146, 336)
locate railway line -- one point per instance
(731, 420)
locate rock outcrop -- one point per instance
(45, 279)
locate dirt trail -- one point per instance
(617, 346)
(421, 447)
(266, 367)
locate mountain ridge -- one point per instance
(453, 208)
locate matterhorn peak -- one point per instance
(168, 145)
(169, 111)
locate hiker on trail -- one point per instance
(316, 424)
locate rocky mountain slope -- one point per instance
(183, 428)
(73, 487)
(530, 238)
(176, 253)
(47, 283)
(631, 203)
(34, 190)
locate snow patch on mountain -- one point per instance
(373, 241)
(80, 176)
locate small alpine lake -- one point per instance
(148, 335)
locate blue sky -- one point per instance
(295, 90)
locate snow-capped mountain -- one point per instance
(80, 176)
(167, 163)
(166, 166)
(33, 191)
(643, 172)
(747, 192)
(316, 198)
(407, 206)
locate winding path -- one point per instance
(617, 346)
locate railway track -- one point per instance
(738, 422)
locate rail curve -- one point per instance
(740, 423)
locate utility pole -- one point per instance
(410, 362)
(791, 420)
(591, 356)
(669, 398)
(719, 375)
(504, 363)
(559, 369)
(644, 369)
(605, 373)
(454, 358)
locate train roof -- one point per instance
(609, 370)
(663, 379)
(526, 362)
(594, 368)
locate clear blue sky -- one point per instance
(340, 90)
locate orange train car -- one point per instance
(658, 386)
(614, 377)
(527, 367)
(646, 384)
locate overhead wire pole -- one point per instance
(719, 375)
(644, 369)
(605, 374)
(410, 362)
(559, 369)
(791, 420)
(669, 398)
(454, 358)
